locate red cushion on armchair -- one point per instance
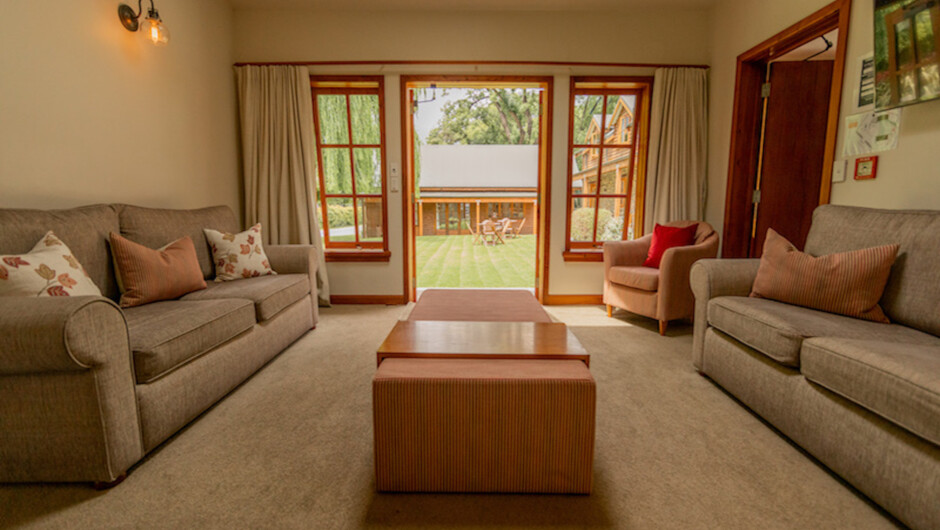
(666, 237)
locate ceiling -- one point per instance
(469, 5)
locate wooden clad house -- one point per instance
(459, 186)
(616, 173)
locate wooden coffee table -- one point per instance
(490, 340)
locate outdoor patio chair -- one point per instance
(505, 230)
(517, 228)
(476, 234)
(490, 234)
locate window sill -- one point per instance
(584, 255)
(358, 255)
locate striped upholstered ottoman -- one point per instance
(480, 425)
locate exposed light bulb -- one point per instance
(156, 31)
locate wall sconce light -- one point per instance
(156, 31)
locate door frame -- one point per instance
(543, 193)
(746, 118)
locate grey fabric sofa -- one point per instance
(86, 388)
(861, 397)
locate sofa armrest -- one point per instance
(626, 253)
(68, 403)
(712, 278)
(675, 290)
(53, 334)
(297, 259)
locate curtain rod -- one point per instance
(487, 63)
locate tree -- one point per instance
(490, 116)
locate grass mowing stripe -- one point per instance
(454, 261)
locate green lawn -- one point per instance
(454, 261)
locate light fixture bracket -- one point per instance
(128, 17)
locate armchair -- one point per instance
(665, 293)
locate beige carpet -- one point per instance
(292, 448)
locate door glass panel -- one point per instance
(582, 218)
(365, 118)
(618, 126)
(587, 118)
(615, 172)
(368, 170)
(334, 128)
(610, 216)
(370, 218)
(339, 211)
(336, 172)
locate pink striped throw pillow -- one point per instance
(846, 283)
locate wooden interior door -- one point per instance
(794, 146)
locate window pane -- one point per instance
(584, 170)
(368, 162)
(587, 119)
(616, 171)
(904, 42)
(370, 218)
(339, 212)
(618, 128)
(365, 119)
(582, 218)
(336, 174)
(610, 216)
(334, 129)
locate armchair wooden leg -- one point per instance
(662, 327)
(610, 310)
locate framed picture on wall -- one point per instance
(907, 52)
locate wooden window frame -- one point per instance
(347, 86)
(606, 86)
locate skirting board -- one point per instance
(387, 299)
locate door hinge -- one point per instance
(765, 90)
(755, 198)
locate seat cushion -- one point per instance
(270, 294)
(898, 381)
(777, 330)
(643, 278)
(165, 335)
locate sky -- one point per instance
(429, 113)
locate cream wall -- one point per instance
(648, 36)
(907, 177)
(92, 113)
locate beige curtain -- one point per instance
(278, 157)
(676, 168)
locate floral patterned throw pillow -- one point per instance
(49, 269)
(238, 256)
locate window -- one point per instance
(607, 150)
(349, 127)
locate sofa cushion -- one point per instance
(898, 381)
(148, 275)
(848, 283)
(777, 330)
(84, 230)
(912, 295)
(643, 278)
(155, 227)
(49, 269)
(270, 294)
(165, 335)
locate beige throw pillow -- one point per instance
(49, 269)
(847, 283)
(238, 256)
